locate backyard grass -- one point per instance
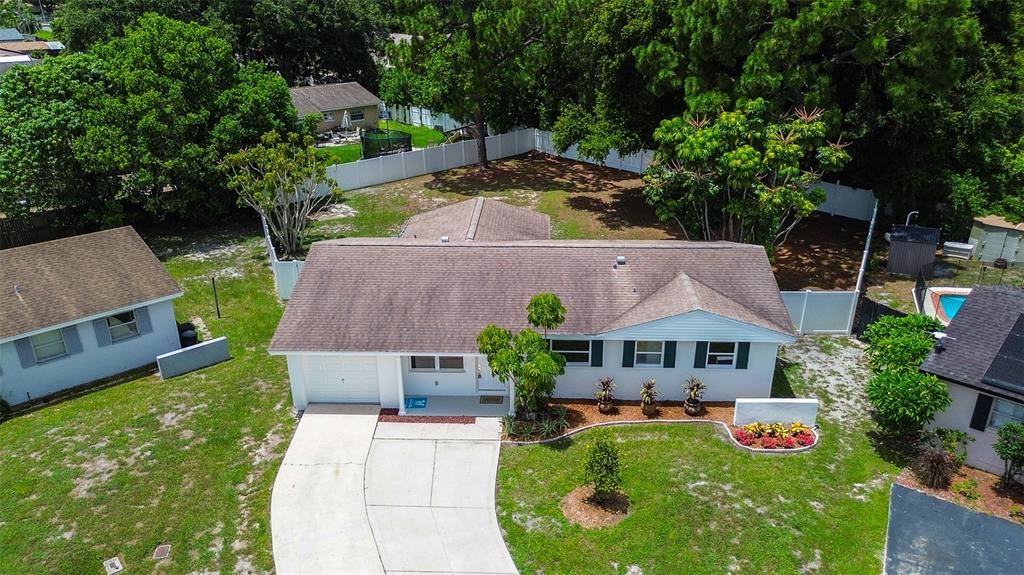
(700, 505)
(341, 154)
(46, 35)
(189, 462)
(422, 137)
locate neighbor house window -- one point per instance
(356, 114)
(649, 353)
(49, 345)
(436, 363)
(328, 116)
(1005, 412)
(575, 351)
(122, 326)
(721, 354)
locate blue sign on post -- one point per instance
(385, 114)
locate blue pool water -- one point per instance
(951, 303)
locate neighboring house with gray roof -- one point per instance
(11, 35)
(481, 220)
(394, 321)
(9, 59)
(80, 309)
(332, 101)
(982, 362)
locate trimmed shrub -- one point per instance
(966, 488)
(601, 465)
(900, 343)
(1009, 446)
(906, 401)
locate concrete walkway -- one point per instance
(317, 513)
(430, 498)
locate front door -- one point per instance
(485, 381)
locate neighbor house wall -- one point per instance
(19, 384)
(370, 116)
(958, 416)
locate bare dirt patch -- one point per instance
(837, 371)
(95, 472)
(580, 508)
(822, 252)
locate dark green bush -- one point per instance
(601, 465)
(900, 343)
(905, 401)
(1009, 446)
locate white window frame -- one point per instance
(352, 114)
(735, 354)
(134, 322)
(328, 116)
(589, 352)
(1006, 416)
(637, 353)
(35, 346)
(437, 364)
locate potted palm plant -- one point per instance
(648, 397)
(605, 395)
(694, 390)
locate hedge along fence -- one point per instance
(770, 410)
(725, 428)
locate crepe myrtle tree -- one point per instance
(285, 181)
(525, 359)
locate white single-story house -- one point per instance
(334, 101)
(982, 362)
(394, 321)
(80, 309)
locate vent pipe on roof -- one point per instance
(621, 260)
(444, 239)
(940, 340)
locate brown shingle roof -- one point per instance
(480, 219)
(330, 97)
(72, 278)
(393, 295)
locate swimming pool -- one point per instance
(951, 303)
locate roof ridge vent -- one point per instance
(474, 222)
(620, 260)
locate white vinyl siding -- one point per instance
(122, 326)
(721, 355)
(48, 345)
(575, 351)
(649, 353)
(1004, 411)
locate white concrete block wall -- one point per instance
(723, 384)
(781, 410)
(958, 416)
(18, 384)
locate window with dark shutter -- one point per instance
(628, 351)
(982, 406)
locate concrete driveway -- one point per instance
(362, 497)
(317, 513)
(430, 498)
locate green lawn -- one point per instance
(189, 461)
(422, 137)
(700, 505)
(44, 35)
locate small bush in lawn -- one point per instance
(935, 467)
(966, 488)
(601, 465)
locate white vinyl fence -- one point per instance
(855, 203)
(417, 116)
(821, 312)
(775, 410)
(286, 273)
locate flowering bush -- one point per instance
(804, 439)
(775, 435)
(745, 437)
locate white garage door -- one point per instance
(343, 380)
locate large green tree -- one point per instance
(142, 120)
(474, 59)
(743, 175)
(321, 41)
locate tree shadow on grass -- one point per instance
(781, 386)
(897, 449)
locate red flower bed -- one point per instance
(774, 436)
